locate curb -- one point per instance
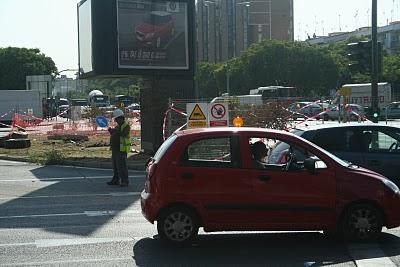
(137, 166)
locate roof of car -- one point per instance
(228, 130)
(339, 125)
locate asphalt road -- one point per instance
(68, 216)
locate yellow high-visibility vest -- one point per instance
(125, 142)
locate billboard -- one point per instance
(152, 35)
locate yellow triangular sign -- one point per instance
(197, 114)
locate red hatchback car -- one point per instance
(209, 178)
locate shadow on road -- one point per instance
(62, 199)
(266, 249)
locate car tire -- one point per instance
(178, 225)
(326, 117)
(17, 143)
(361, 222)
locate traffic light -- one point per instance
(360, 56)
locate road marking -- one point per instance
(49, 179)
(115, 194)
(369, 255)
(45, 243)
(85, 213)
(40, 263)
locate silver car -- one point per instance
(391, 111)
(349, 111)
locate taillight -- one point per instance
(151, 169)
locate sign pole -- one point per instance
(374, 60)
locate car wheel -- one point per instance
(361, 222)
(178, 225)
(326, 117)
(17, 143)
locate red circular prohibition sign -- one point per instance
(218, 111)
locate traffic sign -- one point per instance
(218, 114)
(197, 116)
(101, 121)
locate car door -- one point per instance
(293, 198)
(382, 150)
(210, 175)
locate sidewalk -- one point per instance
(138, 165)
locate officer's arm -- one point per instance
(125, 132)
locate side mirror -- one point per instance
(309, 164)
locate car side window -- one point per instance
(379, 141)
(330, 139)
(275, 154)
(210, 152)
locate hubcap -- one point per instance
(363, 223)
(178, 226)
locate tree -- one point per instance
(17, 63)
(309, 68)
(391, 72)
(206, 81)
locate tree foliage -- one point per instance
(309, 68)
(17, 63)
(113, 87)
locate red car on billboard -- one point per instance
(156, 29)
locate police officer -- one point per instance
(120, 146)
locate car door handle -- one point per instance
(264, 178)
(187, 176)
(373, 162)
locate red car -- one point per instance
(209, 178)
(156, 29)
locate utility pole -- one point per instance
(374, 61)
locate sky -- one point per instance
(51, 25)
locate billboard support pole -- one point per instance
(374, 60)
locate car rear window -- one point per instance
(164, 147)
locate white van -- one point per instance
(242, 99)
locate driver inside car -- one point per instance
(259, 151)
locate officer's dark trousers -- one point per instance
(119, 166)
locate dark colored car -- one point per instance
(209, 178)
(157, 28)
(373, 146)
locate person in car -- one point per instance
(260, 151)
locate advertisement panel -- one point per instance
(152, 34)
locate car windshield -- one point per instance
(344, 163)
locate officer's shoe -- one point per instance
(113, 182)
(124, 184)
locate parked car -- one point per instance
(304, 109)
(208, 178)
(157, 28)
(391, 111)
(373, 146)
(352, 112)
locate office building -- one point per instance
(225, 28)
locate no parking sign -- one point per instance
(218, 114)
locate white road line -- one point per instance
(49, 179)
(116, 194)
(85, 213)
(45, 243)
(39, 263)
(369, 255)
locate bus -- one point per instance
(276, 92)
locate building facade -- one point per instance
(225, 28)
(388, 35)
